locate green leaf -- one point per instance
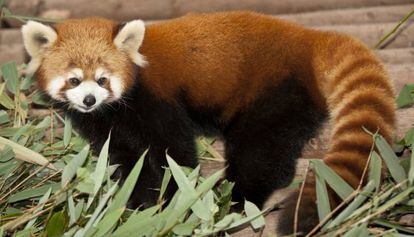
(71, 209)
(360, 231)
(165, 180)
(186, 187)
(4, 117)
(186, 201)
(357, 202)
(10, 75)
(98, 211)
(5, 100)
(121, 198)
(375, 168)
(411, 172)
(70, 169)
(25, 154)
(23, 233)
(406, 96)
(101, 165)
(395, 226)
(136, 222)
(390, 159)
(243, 221)
(33, 193)
(56, 225)
(67, 133)
(252, 210)
(26, 83)
(39, 99)
(342, 188)
(41, 203)
(185, 229)
(109, 221)
(322, 199)
(6, 154)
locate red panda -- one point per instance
(262, 84)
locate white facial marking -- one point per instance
(100, 72)
(114, 81)
(76, 72)
(116, 86)
(55, 86)
(78, 94)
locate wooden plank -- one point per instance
(377, 14)
(370, 34)
(164, 9)
(396, 56)
(275, 7)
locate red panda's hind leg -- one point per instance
(263, 143)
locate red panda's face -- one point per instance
(85, 63)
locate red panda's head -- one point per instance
(84, 62)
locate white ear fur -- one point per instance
(129, 40)
(36, 38)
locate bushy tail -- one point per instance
(358, 94)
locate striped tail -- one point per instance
(358, 94)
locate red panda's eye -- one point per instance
(74, 81)
(101, 81)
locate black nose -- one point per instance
(89, 100)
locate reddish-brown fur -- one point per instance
(342, 75)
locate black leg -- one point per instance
(259, 163)
(263, 143)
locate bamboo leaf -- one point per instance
(186, 187)
(71, 209)
(67, 132)
(164, 184)
(375, 168)
(10, 75)
(41, 203)
(98, 211)
(99, 173)
(342, 188)
(33, 193)
(136, 222)
(252, 210)
(390, 159)
(322, 198)
(121, 198)
(108, 222)
(406, 96)
(70, 169)
(411, 171)
(25, 154)
(360, 231)
(4, 117)
(56, 225)
(357, 202)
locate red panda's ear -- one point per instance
(36, 38)
(129, 39)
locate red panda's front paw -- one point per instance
(307, 215)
